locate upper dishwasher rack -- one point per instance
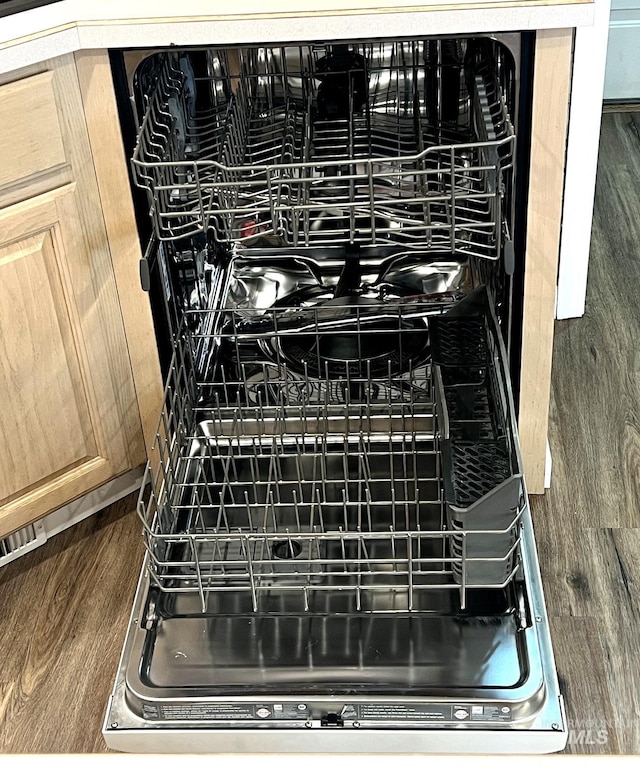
(405, 143)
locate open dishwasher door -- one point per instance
(340, 555)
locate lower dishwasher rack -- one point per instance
(321, 573)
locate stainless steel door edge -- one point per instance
(453, 741)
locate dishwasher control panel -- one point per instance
(311, 715)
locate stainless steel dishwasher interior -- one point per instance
(336, 521)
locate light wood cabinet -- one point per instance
(69, 420)
(32, 139)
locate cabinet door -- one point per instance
(68, 403)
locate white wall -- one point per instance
(582, 158)
(622, 80)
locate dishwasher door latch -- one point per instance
(332, 720)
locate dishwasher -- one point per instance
(339, 549)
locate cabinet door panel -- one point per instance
(60, 424)
(32, 140)
(45, 425)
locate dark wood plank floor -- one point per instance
(64, 607)
(587, 524)
(63, 612)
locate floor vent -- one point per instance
(20, 542)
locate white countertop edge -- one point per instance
(66, 26)
(45, 47)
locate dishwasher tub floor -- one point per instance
(405, 682)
